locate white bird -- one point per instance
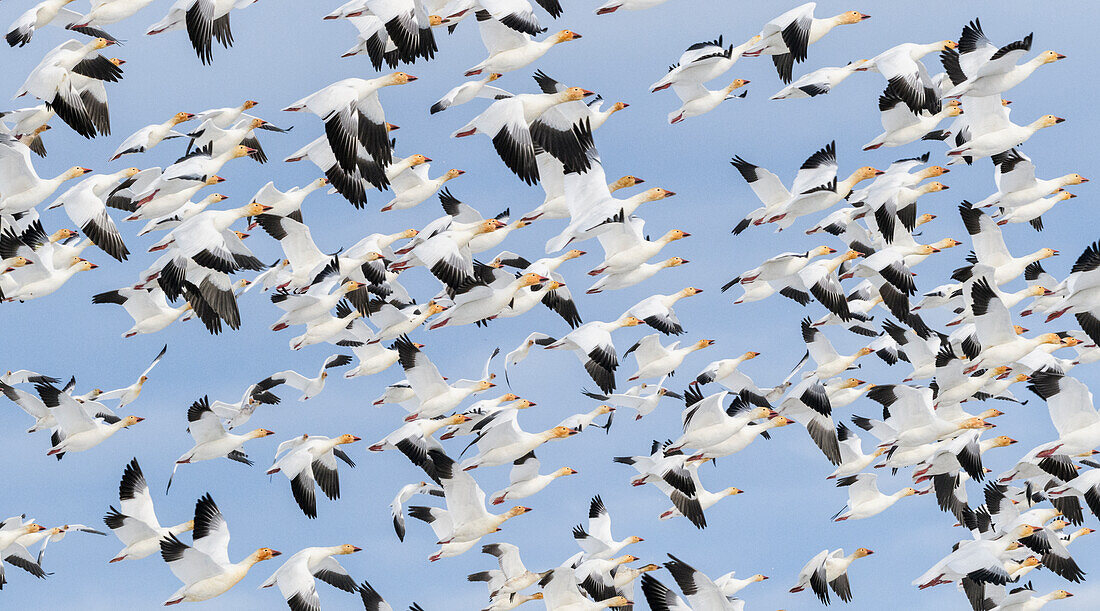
(308, 459)
(204, 568)
(129, 394)
(525, 480)
(135, 522)
(295, 577)
(310, 387)
(470, 90)
(657, 361)
(151, 135)
(698, 100)
(204, 22)
(787, 37)
(829, 570)
(397, 511)
(865, 499)
(820, 81)
(211, 439)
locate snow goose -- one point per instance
(994, 133)
(997, 340)
(34, 406)
(42, 280)
(509, 123)
(590, 203)
(204, 568)
(980, 69)
(397, 510)
(128, 394)
(908, 78)
(740, 440)
(990, 248)
(408, 27)
(562, 592)
(194, 169)
(525, 480)
(79, 429)
(434, 395)
(1080, 292)
(627, 279)
(829, 570)
(986, 555)
(701, 592)
(24, 189)
(625, 246)
(829, 362)
(186, 211)
(821, 81)
(211, 439)
(295, 577)
(306, 307)
(40, 15)
(414, 440)
(468, 91)
(656, 311)
(787, 37)
(901, 125)
(564, 130)
(59, 78)
(852, 458)
(151, 135)
(470, 520)
(308, 459)
(446, 253)
(780, 266)
(864, 498)
(552, 180)
(702, 62)
(657, 361)
(51, 535)
(204, 22)
(511, 50)
(513, 576)
(11, 530)
(629, 5)
(85, 206)
(597, 576)
(694, 504)
(106, 12)
(353, 117)
(413, 186)
(481, 410)
(135, 523)
(818, 169)
(310, 387)
(913, 421)
(1025, 599)
(823, 196)
(1071, 411)
(698, 100)
(592, 344)
(485, 302)
(1033, 211)
(215, 140)
(500, 440)
(707, 422)
(394, 322)
(206, 239)
(168, 200)
(726, 373)
(329, 328)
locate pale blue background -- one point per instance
(284, 51)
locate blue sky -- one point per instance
(284, 51)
